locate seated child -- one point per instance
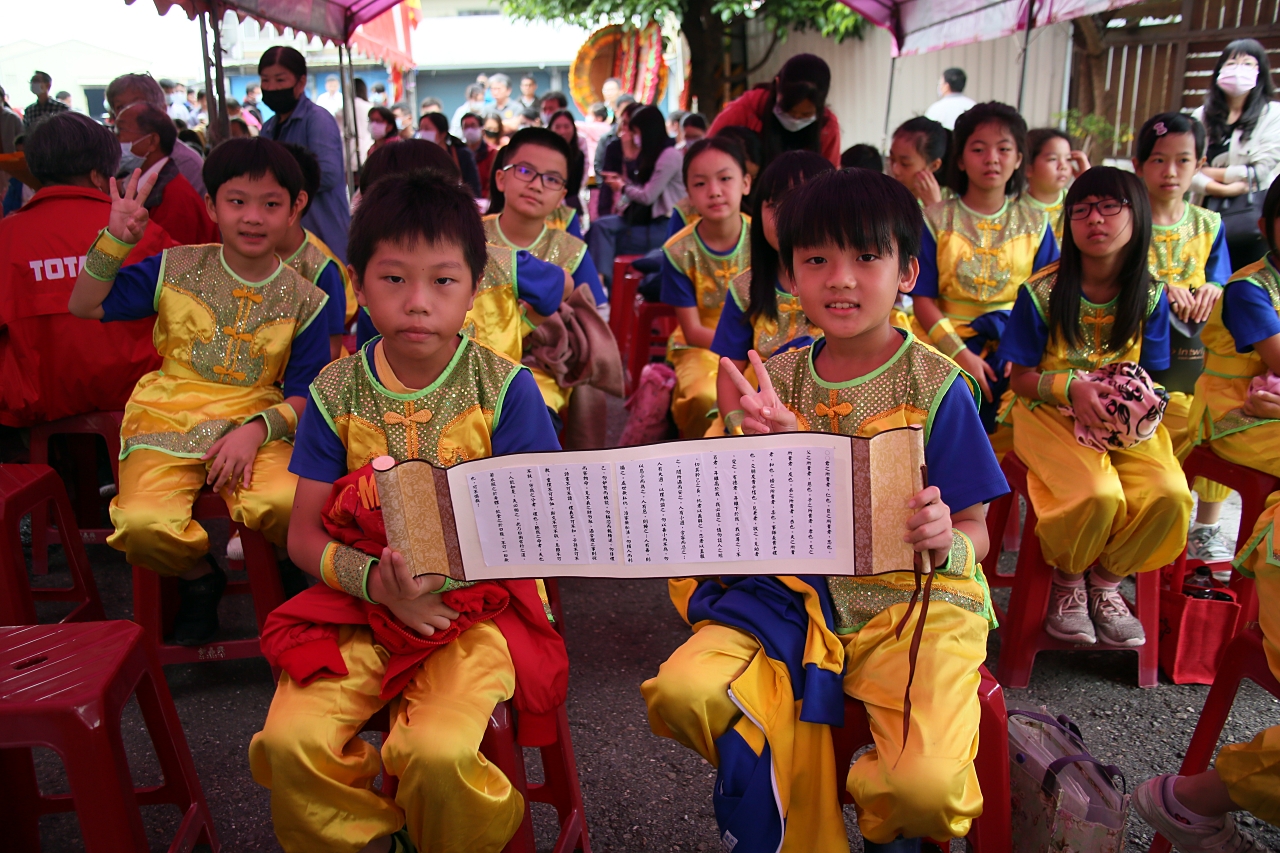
(1125, 510)
(239, 336)
(761, 312)
(862, 156)
(917, 156)
(1194, 812)
(316, 262)
(978, 249)
(421, 390)
(697, 265)
(848, 240)
(1053, 166)
(1189, 257)
(565, 218)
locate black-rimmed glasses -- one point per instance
(527, 174)
(1107, 207)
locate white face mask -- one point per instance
(471, 134)
(402, 123)
(428, 135)
(791, 123)
(128, 160)
(546, 119)
(377, 129)
(1237, 79)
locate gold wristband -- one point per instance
(281, 421)
(1055, 387)
(943, 335)
(106, 256)
(346, 569)
(452, 583)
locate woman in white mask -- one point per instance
(1243, 129)
(382, 128)
(791, 114)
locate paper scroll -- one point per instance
(797, 503)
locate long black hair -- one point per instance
(652, 127)
(1216, 109)
(970, 121)
(1163, 124)
(1134, 276)
(790, 169)
(803, 77)
(577, 160)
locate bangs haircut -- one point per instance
(725, 144)
(407, 155)
(541, 137)
(787, 171)
(1270, 213)
(853, 209)
(407, 209)
(992, 112)
(310, 167)
(1134, 275)
(930, 139)
(253, 158)
(1172, 123)
(1037, 139)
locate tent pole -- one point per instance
(216, 16)
(888, 104)
(209, 94)
(348, 115)
(1026, 50)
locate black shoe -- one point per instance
(897, 845)
(197, 619)
(293, 579)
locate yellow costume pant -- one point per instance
(1176, 421)
(321, 774)
(1126, 509)
(1251, 770)
(556, 398)
(928, 788)
(152, 513)
(695, 393)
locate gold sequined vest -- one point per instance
(770, 334)
(495, 318)
(310, 260)
(1222, 361)
(561, 218)
(1179, 253)
(709, 272)
(555, 246)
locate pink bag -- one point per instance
(1268, 382)
(649, 406)
(1133, 403)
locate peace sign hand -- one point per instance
(763, 412)
(129, 214)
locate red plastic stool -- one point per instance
(1245, 658)
(25, 489)
(654, 323)
(88, 504)
(1254, 487)
(622, 298)
(992, 831)
(1023, 634)
(1002, 526)
(63, 687)
(155, 598)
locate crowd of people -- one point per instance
(268, 335)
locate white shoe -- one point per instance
(235, 548)
(1068, 617)
(1205, 542)
(1221, 836)
(1113, 620)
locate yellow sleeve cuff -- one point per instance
(346, 569)
(281, 421)
(943, 336)
(1055, 387)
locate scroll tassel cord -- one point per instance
(925, 568)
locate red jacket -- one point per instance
(749, 109)
(53, 365)
(176, 207)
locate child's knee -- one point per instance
(430, 755)
(679, 688)
(928, 791)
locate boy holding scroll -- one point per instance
(420, 390)
(764, 676)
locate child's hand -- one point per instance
(930, 528)
(1262, 404)
(1203, 301)
(233, 455)
(128, 220)
(978, 368)
(763, 412)
(414, 601)
(925, 187)
(1087, 403)
(1079, 163)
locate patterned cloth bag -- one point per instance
(1134, 405)
(1063, 799)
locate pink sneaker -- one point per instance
(1220, 836)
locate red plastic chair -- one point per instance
(1254, 487)
(654, 324)
(992, 831)
(622, 298)
(84, 452)
(1245, 658)
(155, 598)
(26, 489)
(1022, 629)
(63, 687)
(559, 788)
(1002, 534)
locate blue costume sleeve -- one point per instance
(133, 294)
(539, 283)
(1155, 336)
(365, 330)
(318, 453)
(677, 288)
(927, 282)
(574, 228)
(1217, 269)
(1048, 251)
(307, 357)
(961, 462)
(1026, 334)
(586, 274)
(1248, 314)
(734, 335)
(335, 312)
(676, 225)
(523, 424)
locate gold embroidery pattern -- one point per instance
(1095, 325)
(448, 451)
(349, 566)
(857, 601)
(710, 274)
(309, 262)
(555, 246)
(190, 444)
(984, 273)
(1179, 252)
(770, 335)
(1235, 421)
(561, 218)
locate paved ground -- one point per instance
(641, 792)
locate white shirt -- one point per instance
(1261, 151)
(331, 101)
(948, 108)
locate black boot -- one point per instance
(897, 845)
(197, 619)
(293, 579)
